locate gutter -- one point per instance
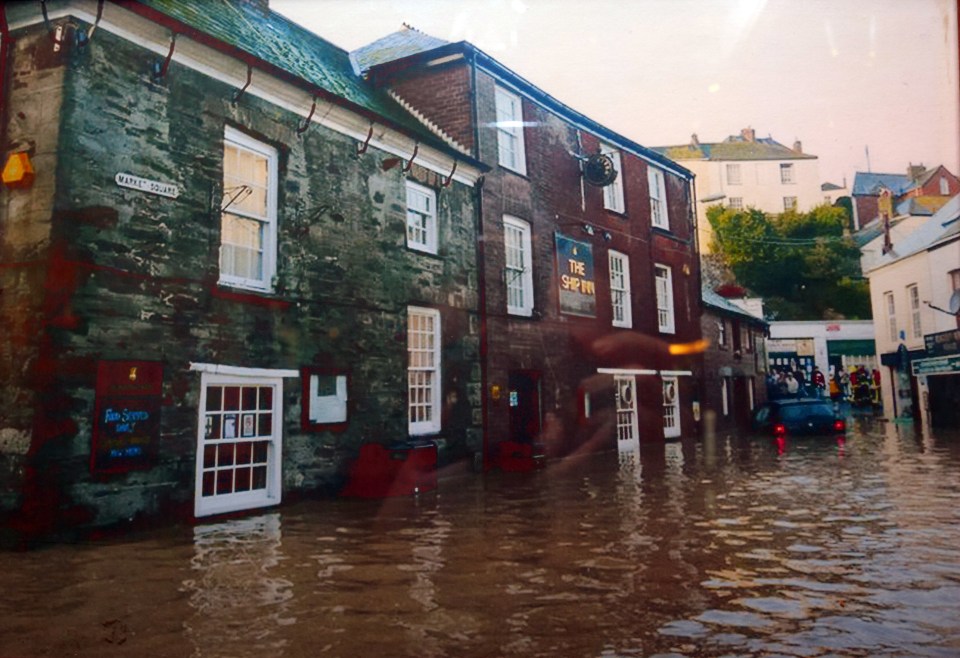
(253, 61)
(4, 83)
(380, 73)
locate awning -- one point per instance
(861, 347)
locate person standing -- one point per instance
(819, 382)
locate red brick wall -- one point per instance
(442, 95)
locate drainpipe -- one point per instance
(4, 65)
(481, 271)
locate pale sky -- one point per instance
(839, 75)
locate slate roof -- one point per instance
(830, 187)
(294, 50)
(720, 303)
(921, 205)
(869, 184)
(734, 147)
(943, 225)
(410, 42)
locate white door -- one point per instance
(628, 434)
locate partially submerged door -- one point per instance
(628, 434)
(524, 398)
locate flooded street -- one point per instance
(726, 547)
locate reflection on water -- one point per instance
(725, 547)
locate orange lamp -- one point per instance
(18, 171)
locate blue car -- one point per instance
(798, 417)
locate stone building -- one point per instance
(735, 363)
(227, 263)
(590, 283)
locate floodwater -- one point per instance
(722, 547)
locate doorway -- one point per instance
(524, 399)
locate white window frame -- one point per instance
(233, 138)
(734, 174)
(613, 193)
(787, 172)
(620, 294)
(663, 280)
(891, 316)
(721, 333)
(671, 407)
(511, 152)
(659, 211)
(423, 358)
(913, 297)
(751, 393)
(518, 265)
(944, 186)
(789, 203)
(254, 498)
(736, 203)
(421, 217)
(725, 396)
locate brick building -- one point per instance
(586, 281)
(227, 263)
(869, 190)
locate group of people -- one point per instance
(858, 386)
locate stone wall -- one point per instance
(128, 275)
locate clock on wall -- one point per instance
(599, 170)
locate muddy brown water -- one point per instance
(720, 547)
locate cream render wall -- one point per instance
(760, 187)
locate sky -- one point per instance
(865, 85)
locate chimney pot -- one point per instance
(694, 141)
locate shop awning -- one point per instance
(861, 347)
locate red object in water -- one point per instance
(779, 429)
(381, 472)
(840, 425)
(513, 457)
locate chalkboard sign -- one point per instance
(126, 429)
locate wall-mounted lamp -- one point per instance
(607, 236)
(18, 171)
(588, 229)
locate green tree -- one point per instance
(801, 263)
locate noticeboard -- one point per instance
(126, 428)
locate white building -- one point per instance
(828, 344)
(744, 171)
(913, 288)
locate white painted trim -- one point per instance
(625, 371)
(676, 373)
(238, 371)
(221, 67)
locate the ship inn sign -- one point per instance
(578, 293)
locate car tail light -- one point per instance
(779, 429)
(839, 425)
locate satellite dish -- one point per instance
(599, 170)
(954, 303)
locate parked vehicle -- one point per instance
(798, 417)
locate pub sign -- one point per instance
(578, 293)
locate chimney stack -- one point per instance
(797, 146)
(749, 134)
(915, 171)
(694, 141)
